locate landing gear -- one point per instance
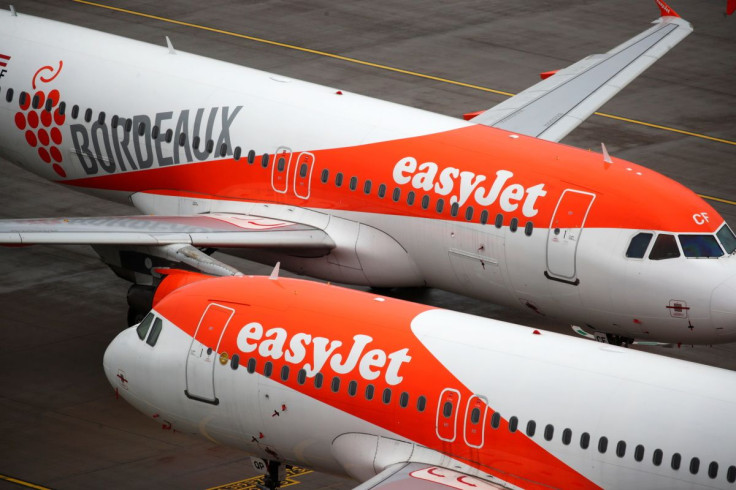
(273, 477)
(616, 340)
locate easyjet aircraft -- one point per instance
(356, 190)
(410, 396)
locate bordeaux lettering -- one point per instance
(428, 176)
(318, 351)
(101, 148)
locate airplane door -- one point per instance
(475, 421)
(303, 174)
(564, 234)
(447, 410)
(202, 357)
(280, 169)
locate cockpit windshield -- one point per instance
(700, 246)
(665, 247)
(727, 238)
(145, 325)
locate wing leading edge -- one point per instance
(558, 104)
(204, 230)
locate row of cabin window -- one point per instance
(425, 201)
(657, 455)
(301, 378)
(209, 146)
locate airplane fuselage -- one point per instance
(266, 365)
(409, 197)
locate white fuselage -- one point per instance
(582, 276)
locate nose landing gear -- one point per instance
(275, 474)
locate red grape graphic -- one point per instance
(40, 118)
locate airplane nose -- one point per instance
(723, 307)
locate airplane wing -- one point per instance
(173, 238)
(421, 476)
(202, 230)
(555, 106)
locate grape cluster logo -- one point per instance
(40, 118)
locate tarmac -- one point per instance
(60, 424)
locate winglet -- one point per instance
(275, 272)
(665, 10)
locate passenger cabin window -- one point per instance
(325, 176)
(338, 179)
(382, 191)
(665, 247)
(727, 238)
(234, 362)
(700, 246)
(421, 403)
(404, 399)
(353, 183)
(584, 440)
(301, 376)
(676, 460)
(369, 392)
(531, 428)
(484, 217)
(410, 198)
(386, 398)
(513, 424)
(268, 369)
(638, 245)
(318, 379)
(251, 367)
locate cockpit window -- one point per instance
(665, 247)
(702, 246)
(638, 245)
(727, 238)
(144, 326)
(155, 332)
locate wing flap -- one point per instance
(555, 106)
(207, 230)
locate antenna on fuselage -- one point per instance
(13, 12)
(275, 271)
(171, 46)
(606, 156)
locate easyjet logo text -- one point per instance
(464, 185)
(313, 353)
(130, 145)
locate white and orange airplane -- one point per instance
(356, 190)
(401, 395)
